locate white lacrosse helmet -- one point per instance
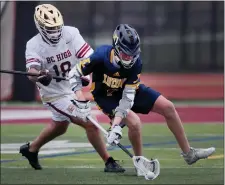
(49, 23)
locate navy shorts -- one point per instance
(143, 102)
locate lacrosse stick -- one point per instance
(28, 74)
(150, 169)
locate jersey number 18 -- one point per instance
(65, 68)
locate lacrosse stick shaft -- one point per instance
(97, 125)
(28, 74)
(106, 133)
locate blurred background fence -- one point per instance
(177, 37)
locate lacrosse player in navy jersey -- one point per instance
(117, 90)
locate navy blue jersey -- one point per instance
(107, 78)
(109, 81)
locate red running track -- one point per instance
(192, 114)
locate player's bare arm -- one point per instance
(35, 70)
(44, 77)
(80, 95)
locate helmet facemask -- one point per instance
(126, 60)
(51, 35)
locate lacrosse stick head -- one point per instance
(150, 169)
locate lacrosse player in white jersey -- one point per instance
(54, 51)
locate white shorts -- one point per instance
(62, 109)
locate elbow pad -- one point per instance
(126, 103)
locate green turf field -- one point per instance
(80, 165)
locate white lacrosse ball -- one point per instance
(149, 176)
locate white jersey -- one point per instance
(59, 60)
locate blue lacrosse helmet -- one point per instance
(126, 44)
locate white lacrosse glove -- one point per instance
(82, 110)
(114, 135)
